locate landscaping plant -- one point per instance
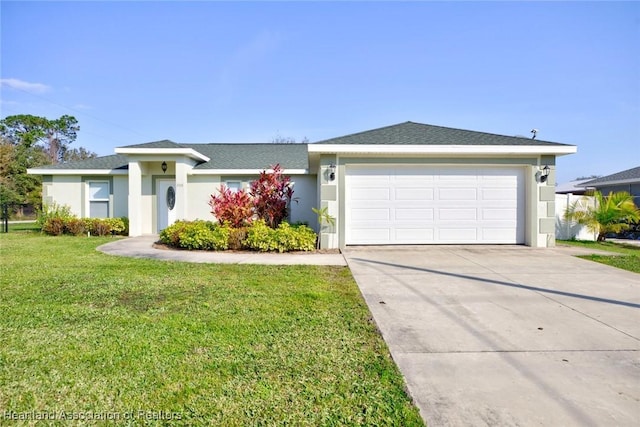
(272, 192)
(56, 220)
(207, 235)
(232, 207)
(609, 214)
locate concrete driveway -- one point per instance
(507, 335)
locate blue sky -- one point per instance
(133, 72)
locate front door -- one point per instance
(166, 193)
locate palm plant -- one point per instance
(607, 214)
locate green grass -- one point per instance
(629, 258)
(22, 226)
(83, 332)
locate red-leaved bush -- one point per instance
(234, 208)
(271, 194)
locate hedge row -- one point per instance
(56, 226)
(207, 235)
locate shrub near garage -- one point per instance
(284, 238)
(206, 235)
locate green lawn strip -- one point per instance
(629, 258)
(22, 226)
(217, 344)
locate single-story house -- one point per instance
(627, 180)
(409, 183)
(572, 187)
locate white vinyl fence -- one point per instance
(566, 230)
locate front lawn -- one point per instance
(629, 258)
(87, 335)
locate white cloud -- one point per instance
(25, 86)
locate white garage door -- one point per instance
(417, 204)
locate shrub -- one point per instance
(53, 226)
(54, 210)
(76, 226)
(171, 235)
(260, 237)
(285, 238)
(56, 226)
(118, 225)
(204, 235)
(233, 208)
(272, 192)
(192, 235)
(237, 237)
(295, 238)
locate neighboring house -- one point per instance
(567, 194)
(408, 183)
(628, 180)
(572, 187)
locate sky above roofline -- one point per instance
(198, 72)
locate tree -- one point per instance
(609, 214)
(16, 187)
(75, 154)
(53, 136)
(28, 141)
(272, 192)
(279, 139)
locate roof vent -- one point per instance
(534, 132)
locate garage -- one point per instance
(434, 204)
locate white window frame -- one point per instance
(90, 197)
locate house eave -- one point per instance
(36, 171)
(244, 171)
(462, 150)
(608, 183)
(189, 152)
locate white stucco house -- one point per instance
(408, 183)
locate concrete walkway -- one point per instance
(507, 335)
(142, 247)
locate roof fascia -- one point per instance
(190, 152)
(441, 149)
(244, 171)
(614, 182)
(77, 172)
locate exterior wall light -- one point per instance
(164, 167)
(332, 171)
(544, 174)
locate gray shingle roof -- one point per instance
(114, 161)
(252, 156)
(223, 156)
(165, 143)
(627, 175)
(411, 133)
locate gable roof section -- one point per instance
(418, 138)
(252, 157)
(220, 158)
(165, 143)
(410, 133)
(159, 148)
(629, 175)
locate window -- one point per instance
(234, 186)
(99, 199)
